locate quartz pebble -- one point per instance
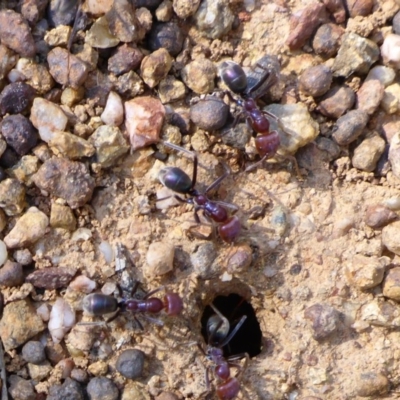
(19, 133)
(368, 152)
(16, 34)
(16, 98)
(155, 67)
(23, 256)
(28, 229)
(369, 96)
(356, 55)
(324, 319)
(100, 388)
(209, 114)
(12, 197)
(366, 272)
(199, 75)
(29, 324)
(185, 8)
(21, 389)
(389, 237)
(391, 284)
(62, 319)
(124, 59)
(315, 81)
(62, 216)
(113, 113)
(100, 36)
(67, 179)
(377, 216)
(160, 258)
(3, 253)
(47, 118)
(350, 127)
(166, 36)
(33, 352)
(214, 18)
(390, 51)
(371, 384)
(83, 284)
(68, 390)
(144, 117)
(130, 363)
(304, 23)
(11, 274)
(337, 101)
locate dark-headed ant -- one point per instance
(249, 88)
(99, 304)
(177, 180)
(218, 335)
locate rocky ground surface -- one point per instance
(89, 93)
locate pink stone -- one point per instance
(144, 117)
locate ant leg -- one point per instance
(256, 164)
(241, 368)
(139, 323)
(233, 333)
(218, 181)
(153, 291)
(155, 321)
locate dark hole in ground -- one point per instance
(248, 338)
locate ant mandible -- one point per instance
(218, 328)
(177, 180)
(99, 304)
(249, 89)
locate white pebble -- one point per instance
(393, 203)
(113, 113)
(81, 234)
(83, 284)
(3, 253)
(43, 312)
(108, 288)
(107, 251)
(390, 50)
(160, 258)
(62, 319)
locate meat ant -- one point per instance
(249, 88)
(177, 180)
(98, 304)
(218, 328)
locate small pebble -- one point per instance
(16, 34)
(171, 89)
(23, 256)
(36, 75)
(71, 96)
(8, 60)
(238, 258)
(83, 284)
(98, 368)
(371, 384)
(199, 75)
(366, 272)
(337, 9)
(62, 12)
(62, 319)
(390, 51)
(97, 7)
(350, 127)
(164, 11)
(129, 85)
(69, 390)
(51, 278)
(391, 99)
(356, 55)
(102, 388)
(209, 114)
(315, 81)
(144, 117)
(393, 203)
(12, 197)
(360, 8)
(160, 258)
(304, 23)
(185, 8)
(368, 152)
(385, 75)
(377, 216)
(326, 40)
(238, 136)
(155, 67)
(67, 179)
(391, 284)
(369, 96)
(33, 352)
(124, 59)
(390, 237)
(202, 258)
(324, 318)
(130, 363)
(396, 23)
(214, 18)
(11, 274)
(394, 155)
(71, 146)
(3, 253)
(62, 216)
(21, 389)
(166, 36)
(100, 36)
(79, 375)
(9, 158)
(16, 98)
(337, 101)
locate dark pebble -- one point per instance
(337, 101)
(8, 158)
(67, 179)
(371, 384)
(124, 59)
(51, 278)
(350, 127)
(167, 396)
(295, 269)
(33, 10)
(62, 12)
(324, 318)
(336, 8)
(130, 363)
(102, 388)
(3, 174)
(19, 133)
(79, 375)
(181, 119)
(16, 97)
(377, 216)
(11, 274)
(21, 389)
(209, 114)
(33, 352)
(150, 4)
(326, 41)
(69, 390)
(166, 35)
(237, 136)
(316, 81)
(396, 23)
(360, 8)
